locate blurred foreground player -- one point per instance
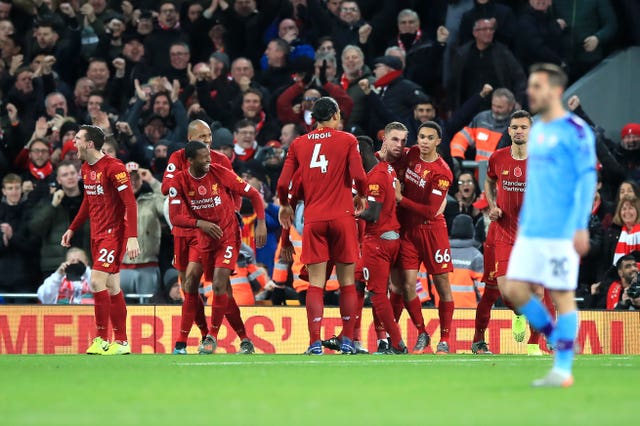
(553, 233)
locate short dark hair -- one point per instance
(369, 160)
(191, 149)
(254, 91)
(432, 125)
(324, 108)
(245, 122)
(282, 45)
(625, 258)
(556, 75)
(94, 134)
(521, 114)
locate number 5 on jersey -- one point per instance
(318, 160)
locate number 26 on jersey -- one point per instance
(318, 160)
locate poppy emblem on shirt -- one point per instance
(517, 172)
(418, 167)
(202, 190)
(92, 175)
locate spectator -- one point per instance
(56, 104)
(330, 70)
(628, 217)
(288, 31)
(628, 151)
(486, 130)
(484, 61)
(488, 9)
(245, 146)
(168, 31)
(52, 216)
(354, 71)
(290, 111)
(48, 41)
(179, 58)
(253, 109)
(539, 36)
(424, 57)
(393, 90)
(69, 284)
(17, 248)
(465, 197)
(223, 143)
(468, 264)
(142, 275)
(27, 94)
(37, 173)
(289, 132)
(169, 293)
(626, 193)
(110, 44)
(277, 73)
(619, 296)
(269, 162)
(587, 30)
(83, 88)
(589, 265)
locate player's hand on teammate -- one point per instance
(581, 242)
(360, 204)
(495, 214)
(285, 216)
(261, 233)
(210, 228)
(398, 187)
(133, 248)
(66, 238)
(286, 253)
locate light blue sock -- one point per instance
(565, 333)
(537, 315)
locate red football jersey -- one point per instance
(381, 189)
(425, 189)
(329, 162)
(178, 162)
(207, 198)
(108, 200)
(399, 165)
(510, 176)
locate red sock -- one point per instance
(315, 308)
(534, 337)
(397, 304)
(201, 318)
(381, 332)
(357, 329)
(189, 306)
(445, 313)
(102, 309)
(415, 312)
(119, 317)
(348, 309)
(548, 302)
(218, 308)
(382, 309)
(483, 311)
(234, 318)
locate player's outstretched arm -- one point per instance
(81, 217)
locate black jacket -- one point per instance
(539, 38)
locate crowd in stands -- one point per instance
(142, 70)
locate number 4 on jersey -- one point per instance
(318, 160)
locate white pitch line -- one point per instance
(338, 362)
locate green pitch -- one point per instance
(285, 390)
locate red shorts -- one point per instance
(185, 250)
(335, 240)
(429, 244)
(374, 267)
(502, 252)
(107, 253)
(225, 255)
